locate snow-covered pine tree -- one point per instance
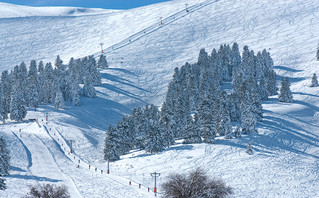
(318, 52)
(167, 123)
(59, 100)
(102, 63)
(111, 145)
(248, 115)
(235, 56)
(192, 132)
(41, 79)
(93, 71)
(22, 76)
(285, 94)
(272, 83)
(314, 81)
(73, 82)
(224, 125)
(155, 142)
(17, 103)
(4, 158)
(48, 84)
(224, 53)
(237, 132)
(262, 88)
(88, 88)
(5, 91)
(125, 129)
(33, 85)
(234, 107)
(2, 184)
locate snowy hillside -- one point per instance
(9, 11)
(142, 55)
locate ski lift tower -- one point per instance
(155, 174)
(101, 47)
(71, 142)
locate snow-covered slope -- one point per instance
(10, 10)
(142, 55)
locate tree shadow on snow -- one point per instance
(32, 177)
(286, 69)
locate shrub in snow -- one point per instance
(49, 191)
(196, 184)
(314, 81)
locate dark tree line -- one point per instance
(196, 108)
(47, 84)
(4, 162)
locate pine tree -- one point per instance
(272, 83)
(314, 81)
(33, 85)
(262, 87)
(17, 103)
(58, 101)
(5, 91)
(88, 88)
(102, 63)
(4, 158)
(2, 184)
(166, 124)
(285, 94)
(247, 108)
(41, 79)
(48, 84)
(112, 144)
(93, 71)
(73, 82)
(318, 52)
(192, 132)
(237, 132)
(224, 124)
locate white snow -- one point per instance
(10, 11)
(142, 55)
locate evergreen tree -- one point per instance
(48, 84)
(33, 89)
(235, 57)
(237, 132)
(166, 124)
(272, 83)
(112, 144)
(58, 101)
(192, 132)
(102, 63)
(314, 81)
(5, 93)
(93, 71)
(2, 184)
(248, 115)
(224, 124)
(4, 158)
(125, 129)
(41, 79)
(318, 52)
(285, 94)
(73, 82)
(262, 87)
(154, 140)
(88, 88)
(17, 103)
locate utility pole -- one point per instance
(155, 174)
(102, 47)
(71, 141)
(46, 116)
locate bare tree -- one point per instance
(196, 184)
(49, 191)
